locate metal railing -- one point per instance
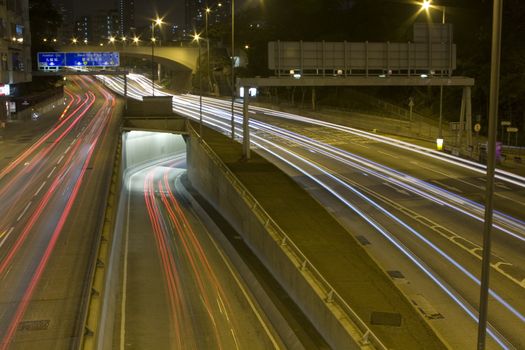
(288, 246)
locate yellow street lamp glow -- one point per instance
(54, 40)
(74, 40)
(101, 44)
(158, 21)
(123, 38)
(196, 37)
(135, 40)
(153, 39)
(85, 41)
(426, 4)
(208, 9)
(111, 39)
(44, 40)
(246, 46)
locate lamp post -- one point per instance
(491, 164)
(208, 10)
(198, 38)
(426, 5)
(158, 22)
(233, 69)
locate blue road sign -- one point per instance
(92, 59)
(78, 59)
(51, 59)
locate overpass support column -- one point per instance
(468, 114)
(313, 98)
(246, 124)
(461, 129)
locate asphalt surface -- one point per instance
(52, 193)
(417, 215)
(178, 289)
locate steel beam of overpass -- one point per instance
(357, 81)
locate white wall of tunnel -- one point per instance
(142, 147)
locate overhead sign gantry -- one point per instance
(57, 60)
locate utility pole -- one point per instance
(491, 164)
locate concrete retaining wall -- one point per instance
(42, 107)
(213, 183)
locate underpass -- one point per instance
(176, 286)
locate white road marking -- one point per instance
(388, 154)
(24, 211)
(6, 235)
(430, 169)
(360, 145)
(234, 338)
(396, 189)
(219, 304)
(40, 188)
(125, 273)
(67, 149)
(60, 159)
(52, 171)
(452, 188)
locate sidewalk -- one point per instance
(19, 135)
(335, 253)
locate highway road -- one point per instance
(418, 212)
(50, 199)
(178, 289)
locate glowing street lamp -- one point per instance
(198, 38)
(112, 39)
(426, 5)
(136, 40)
(74, 41)
(156, 22)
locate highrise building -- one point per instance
(15, 49)
(127, 17)
(98, 28)
(220, 11)
(83, 30)
(194, 14)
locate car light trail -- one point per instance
(414, 185)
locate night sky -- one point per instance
(171, 10)
(144, 9)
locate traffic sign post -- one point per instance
(57, 60)
(512, 130)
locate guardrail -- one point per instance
(286, 243)
(93, 295)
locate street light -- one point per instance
(198, 38)
(207, 12)
(74, 41)
(426, 5)
(157, 21)
(233, 69)
(112, 39)
(491, 168)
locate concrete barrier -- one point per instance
(328, 312)
(45, 106)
